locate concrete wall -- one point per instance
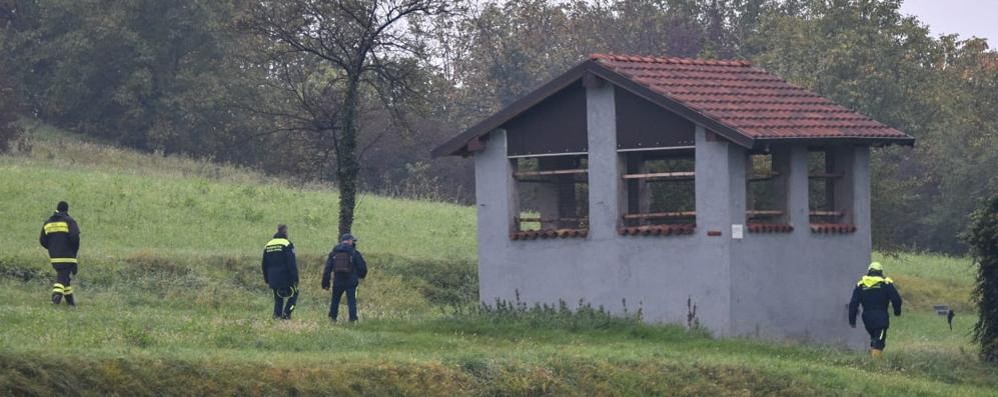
(776, 286)
(796, 285)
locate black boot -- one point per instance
(70, 300)
(56, 298)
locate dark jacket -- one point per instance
(874, 292)
(345, 280)
(280, 269)
(61, 236)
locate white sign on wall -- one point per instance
(737, 232)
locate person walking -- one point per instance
(61, 237)
(346, 266)
(874, 292)
(280, 272)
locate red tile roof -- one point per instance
(734, 99)
(750, 100)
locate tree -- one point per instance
(149, 74)
(10, 131)
(361, 44)
(983, 240)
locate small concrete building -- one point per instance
(671, 183)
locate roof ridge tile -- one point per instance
(669, 60)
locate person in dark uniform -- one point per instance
(346, 266)
(874, 292)
(280, 272)
(61, 236)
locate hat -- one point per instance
(348, 236)
(62, 206)
(876, 266)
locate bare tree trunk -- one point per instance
(347, 166)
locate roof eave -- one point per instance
(455, 145)
(871, 141)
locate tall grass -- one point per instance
(171, 301)
(130, 204)
(925, 280)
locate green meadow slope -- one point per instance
(171, 302)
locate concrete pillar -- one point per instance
(495, 191)
(605, 186)
(797, 189)
(861, 196)
(750, 199)
(713, 185)
(496, 200)
(737, 178)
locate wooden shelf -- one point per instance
(549, 220)
(654, 215)
(754, 178)
(520, 174)
(662, 175)
(760, 213)
(826, 213)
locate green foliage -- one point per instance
(983, 239)
(10, 129)
(501, 316)
(149, 74)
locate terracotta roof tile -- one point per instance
(833, 228)
(758, 227)
(549, 234)
(750, 100)
(658, 230)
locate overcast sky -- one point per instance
(964, 17)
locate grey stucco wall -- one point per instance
(775, 286)
(796, 285)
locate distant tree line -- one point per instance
(239, 82)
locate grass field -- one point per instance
(171, 302)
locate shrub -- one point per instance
(983, 239)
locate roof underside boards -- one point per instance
(555, 125)
(742, 103)
(643, 125)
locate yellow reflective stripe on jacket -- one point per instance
(58, 288)
(276, 244)
(67, 291)
(872, 281)
(279, 241)
(63, 260)
(57, 227)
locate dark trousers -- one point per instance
(283, 309)
(878, 338)
(62, 287)
(334, 307)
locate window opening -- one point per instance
(552, 196)
(765, 195)
(660, 191)
(822, 177)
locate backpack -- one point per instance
(342, 262)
